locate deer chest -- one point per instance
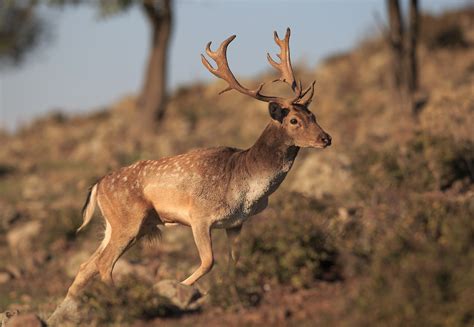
(248, 200)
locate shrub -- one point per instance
(426, 163)
(293, 248)
(421, 272)
(132, 299)
(445, 31)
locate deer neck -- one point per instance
(272, 155)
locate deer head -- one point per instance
(291, 114)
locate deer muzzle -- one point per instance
(325, 139)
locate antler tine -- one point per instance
(284, 67)
(223, 71)
(311, 94)
(299, 89)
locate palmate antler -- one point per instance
(284, 67)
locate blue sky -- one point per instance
(91, 62)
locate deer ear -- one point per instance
(277, 112)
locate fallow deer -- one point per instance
(205, 188)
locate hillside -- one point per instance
(378, 227)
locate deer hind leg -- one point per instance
(89, 269)
(112, 252)
(202, 238)
(125, 225)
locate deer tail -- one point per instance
(89, 207)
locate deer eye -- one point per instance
(293, 121)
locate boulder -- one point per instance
(5, 277)
(25, 320)
(74, 262)
(66, 314)
(321, 173)
(20, 239)
(125, 268)
(6, 316)
(185, 298)
(8, 215)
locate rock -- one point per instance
(182, 296)
(343, 213)
(8, 215)
(124, 268)
(322, 173)
(26, 320)
(66, 314)
(14, 270)
(20, 239)
(5, 277)
(34, 187)
(6, 316)
(74, 262)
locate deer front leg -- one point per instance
(202, 238)
(233, 235)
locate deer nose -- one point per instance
(326, 138)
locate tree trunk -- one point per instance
(152, 98)
(396, 42)
(412, 65)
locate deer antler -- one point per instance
(286, 70)
(223, 71)
(284, 67)
(299, 98)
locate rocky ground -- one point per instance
(377, 228)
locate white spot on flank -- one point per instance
(124, 179)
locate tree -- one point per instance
(396, 41)
(412, 64)
(404, 46)
(21, 30)
(153, 95)
(159, 14)
(152, 98)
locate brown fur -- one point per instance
(204, 189)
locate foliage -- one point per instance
(421, 272)
(437, 162)
(21, 30)
(129, 300)
(420, 241)
(294, 248)
(445, 31)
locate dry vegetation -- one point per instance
(376, 230)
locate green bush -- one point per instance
(130, 300)
(445, 31)
(421, 271)
(293, 248)
(426, 163)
